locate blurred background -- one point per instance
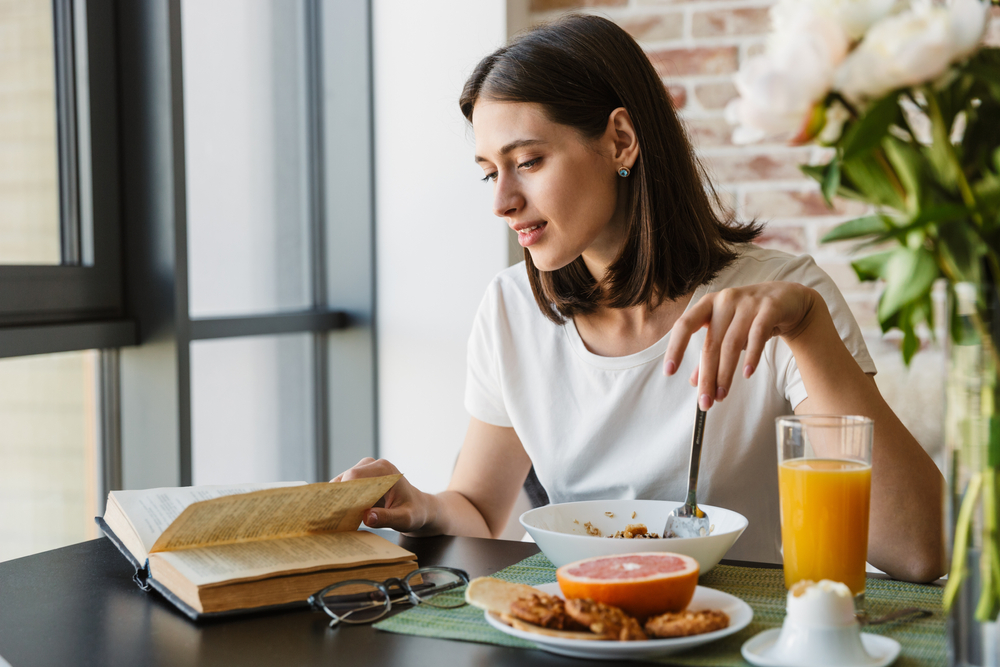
(244, 240)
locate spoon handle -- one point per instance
(696, 438)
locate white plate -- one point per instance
(739, 612)
(883, 650)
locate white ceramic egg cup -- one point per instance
(838, 647)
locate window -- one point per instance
(185, 273)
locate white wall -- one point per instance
(437, 242)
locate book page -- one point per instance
(286, 512)
(151, 511)
(215, 564)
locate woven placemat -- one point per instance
(922, 640)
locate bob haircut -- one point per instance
(579, 69)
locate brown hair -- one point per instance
(580, 69)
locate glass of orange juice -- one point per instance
(824, 483)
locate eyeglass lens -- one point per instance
(356, 603)
(438, 588)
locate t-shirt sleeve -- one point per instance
(804, 270)
(483, 394)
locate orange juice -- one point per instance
(824, 520)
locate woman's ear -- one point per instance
(621, 133)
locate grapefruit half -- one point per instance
(642, 585)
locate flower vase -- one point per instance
(972, 446)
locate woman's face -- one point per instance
(559, 191)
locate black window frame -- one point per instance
(123, 284)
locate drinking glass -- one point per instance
(824, 482)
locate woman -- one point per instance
(628, 263)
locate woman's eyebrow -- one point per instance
(517, 143)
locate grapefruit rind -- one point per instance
(639, 595)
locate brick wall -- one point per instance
(696, 46)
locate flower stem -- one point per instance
(959, 553)
(989, 560)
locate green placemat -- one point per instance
(922, 641)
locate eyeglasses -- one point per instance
(363, 601)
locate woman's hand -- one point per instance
(738, 319)
(403, 507)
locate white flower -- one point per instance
(779, 88)
(912, 47)
(856, 16)
(969, 20)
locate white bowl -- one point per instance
(559, 531)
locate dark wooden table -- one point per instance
(78, 606)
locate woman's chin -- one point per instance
(546, 262)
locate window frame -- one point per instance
(155, 376)
(75, 306)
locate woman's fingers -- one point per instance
(399, 519)
(697, 316)
(712, 384)
(737, 319)
(731, 350)
(367, 467)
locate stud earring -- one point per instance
(624, 172)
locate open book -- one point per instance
(217, 549)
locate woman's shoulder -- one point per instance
(755, 264)
(510, 285)
(510, 293)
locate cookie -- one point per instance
(544, 610)
(686, 623)
(604, 620)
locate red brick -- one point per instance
(719, 23)
(549, 5)
(655, 27)
(798, 204)
(685, 62)
(788, 239)
(714, 95)
(678, 95)
(709, 132)
(760, 166)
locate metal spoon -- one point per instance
(688, 520)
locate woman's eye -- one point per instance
(529, 164)
(492, 176)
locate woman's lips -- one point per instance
(529, 236)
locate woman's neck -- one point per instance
(618, 332)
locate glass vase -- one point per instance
(972, 446)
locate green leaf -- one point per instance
(906, 161)
(869, 176)
(909, 274)
(939, 151)
(911, 343)
(831, 182)
(867, 132)
(871, 267)
(852, 229)
(814, 171)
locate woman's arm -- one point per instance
(491, 468)
(905, 529)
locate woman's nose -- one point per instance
(507, 198)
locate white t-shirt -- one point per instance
(617, 428)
